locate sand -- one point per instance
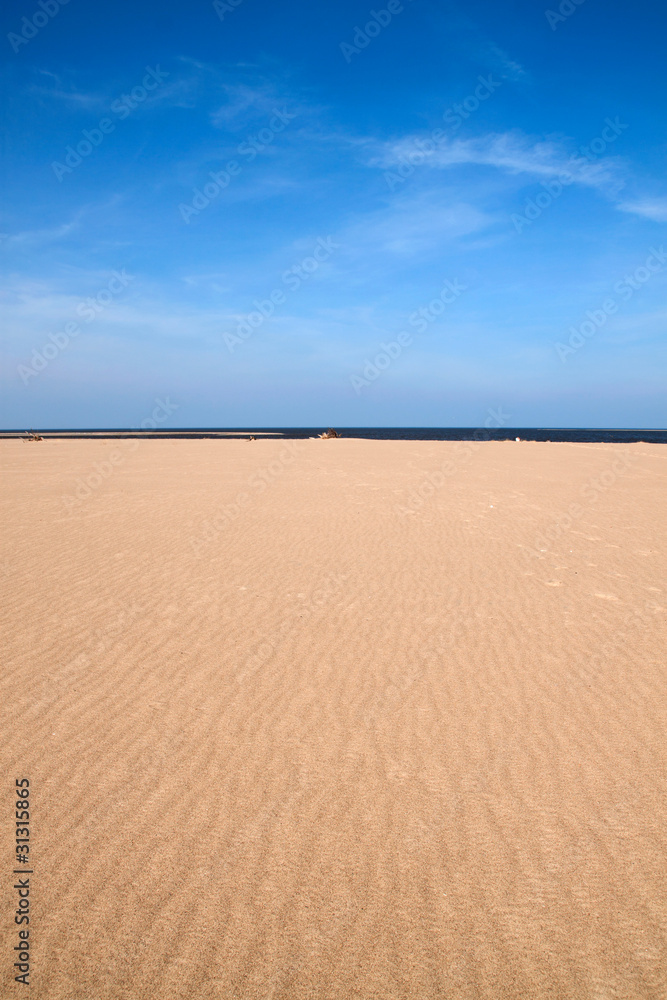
(336, 719)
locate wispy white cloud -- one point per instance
(210, 281)
(34, 238)
(511, 152)
(505, 65)
(67, 92)
(33, 309)
(75, 98)
(411, 225)
(177, 89)
(649, 208)
(242, 103)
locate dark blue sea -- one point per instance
(583, 434)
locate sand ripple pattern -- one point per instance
(340, 750)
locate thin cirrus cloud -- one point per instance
(36, 309)
(243, 103)
(649, 208)
(326, 175)
(34, 238)
(511, 152)
(503, 63)
(409, 226)
(176, 89)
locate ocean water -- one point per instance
(583, 434)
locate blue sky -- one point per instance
(242, 207)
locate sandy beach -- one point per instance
(337, 719)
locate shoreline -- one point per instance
(541, 434)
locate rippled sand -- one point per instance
(338, 719)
